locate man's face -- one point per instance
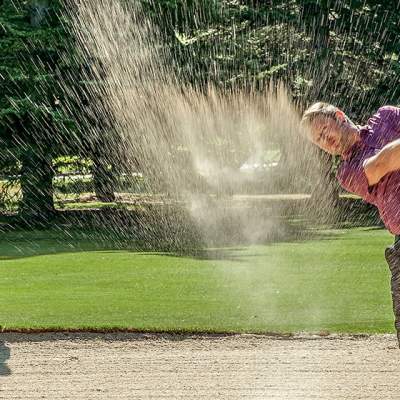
(328, 135)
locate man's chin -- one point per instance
(333, 152)
(337, 150)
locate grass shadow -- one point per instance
(175, 232)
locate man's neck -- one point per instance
(354, 137)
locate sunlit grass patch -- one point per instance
(339, 283)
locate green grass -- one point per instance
(338, 283)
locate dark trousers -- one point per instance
(392, 255)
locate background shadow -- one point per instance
(4, 356)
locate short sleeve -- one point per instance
(351, 176)
(386, 124)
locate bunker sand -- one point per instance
(150, 366)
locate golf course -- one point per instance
(199, 199)
(335, 283)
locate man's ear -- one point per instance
(340, 115)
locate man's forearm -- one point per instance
(382, 163)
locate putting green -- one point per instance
(338, 282)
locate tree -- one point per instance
(31, 123)
(45, 106)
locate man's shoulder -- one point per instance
(384, 125)
(388, 108)
(387, 113)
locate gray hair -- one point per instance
(319, 109)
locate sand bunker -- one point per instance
(149, 366)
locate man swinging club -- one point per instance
(370, 168)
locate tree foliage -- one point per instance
(33, 127)
(344, 52)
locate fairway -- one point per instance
(336, 283)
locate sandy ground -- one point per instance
(140, 366)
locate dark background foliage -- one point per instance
(344, 52)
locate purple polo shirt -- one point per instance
(382, 128)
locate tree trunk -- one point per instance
(326, 190)
(103, 180)
(37, 205)
(37, 187)
(316, 19)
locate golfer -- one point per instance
(370, 168)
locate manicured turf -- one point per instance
(338, 283)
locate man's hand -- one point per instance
(387, 160)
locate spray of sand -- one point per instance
(193, 143)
